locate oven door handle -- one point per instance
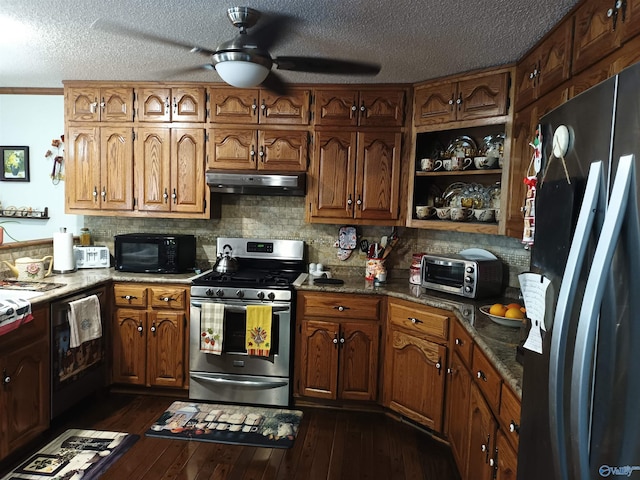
(241, 308)
(243, 383)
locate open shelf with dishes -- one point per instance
(459, 187)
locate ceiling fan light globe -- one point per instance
(242, 74)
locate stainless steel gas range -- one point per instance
(266, 271)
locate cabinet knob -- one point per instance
(341, 341)
(450, 102)
(95, 194)
(359, 201)
(414, 320)
(166, 299)
(165, 196)
(458, 341)
(492, 462)
(103, 193)
(153, 328)
(5, 377)
(450, 371)
(514, 427)
(174, 195)
(340, 308)
(129, 297)
(354, 107)
(362, 107)
(335, 339)
(167, 105)
(252, 152)
(349, 201)
(438, 365)
(261, 154)
(483, 448)
(140, 328)
(481, 375)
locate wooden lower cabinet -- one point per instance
(25, 391)
(149, 335)
(414, 379)
(483, 427)
(338, 338)
(505, 459)
(458, 413)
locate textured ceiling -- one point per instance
(43, 42)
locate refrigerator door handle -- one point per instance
(594, 201)
(581, 378)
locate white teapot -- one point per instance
(30, 269)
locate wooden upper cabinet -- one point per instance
(153, 168)
(187, 170)
(546, 67)
(116, 174)
(255, 106)
(283, 150)
(232, 149)
(180, 104)
(349, 107)
(94, 104)
(602, 26)
(465, 99)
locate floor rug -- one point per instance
(234, 424)
(75, 454)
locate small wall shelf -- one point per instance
(25, 213)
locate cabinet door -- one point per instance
(434, 104)
(231, 149)
(594, 34)
(630, 15)
(336, 107)
(526, 80)
(378, 175)
(459, 393)
(283, 151)
(414, 381)
(129, 346)
(359, 345)
(555, 59)
(187, 170)
(188, 104)
(154, 104)
(482, 97)
(153, 168)
(291, 109)
(381, 108)
(116, 104)
(505, 459)
(234, 105)
(26, 395)
(319, 359)
(83, 168)
(116, 174)
(165, 348)
(482, 437)
(83, 104)
(334, 162)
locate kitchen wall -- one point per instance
(283, 218)
(33, 121)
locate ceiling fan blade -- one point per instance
(110, 27)
(275, 83)
(173, 73)
(326, 65)
(270, 30)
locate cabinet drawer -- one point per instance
(168, 297)
(510, 414)
(462, 343)
(130, 295)
(341, 306)
(29, 332)
(422, 320)
(487, 378)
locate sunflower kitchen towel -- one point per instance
(258, 338)
(211, 328)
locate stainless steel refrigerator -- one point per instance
(581, 396)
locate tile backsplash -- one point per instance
(283, 218)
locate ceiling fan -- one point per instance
(244, 61)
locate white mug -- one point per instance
(427, 164)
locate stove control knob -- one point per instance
(209, 292)
(239, 293)
(220, 292)
(272, 296)
(260, 295)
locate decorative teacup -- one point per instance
(427, 164)
(425, 211)
(484, 214)
(460, 163)
(485, 162)
(461, 214)
(443, 213)
(443, 164)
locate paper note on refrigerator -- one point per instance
(534, 291)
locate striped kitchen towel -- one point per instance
(212, 328)
(258, 338)
(13, 313)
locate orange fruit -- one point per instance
(513, 305)
(498, 310)
(514, 313)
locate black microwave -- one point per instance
(155, 253)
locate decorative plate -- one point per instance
(463, 146)
(507, 322)
(493, 145)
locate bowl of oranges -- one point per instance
(509, 315)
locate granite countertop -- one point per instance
(497, 342)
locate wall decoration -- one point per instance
(15, 164)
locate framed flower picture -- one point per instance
(15, 164)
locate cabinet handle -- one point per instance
(102, 104)
(174, 195)
(263, 107)
(354, 107)
(414, 320)
(481, 375)
(153, 328)
(175, 106)
(459, 342)
(140, 328)
(450, 371)
(349, 201)
(340, 308)
(165, 196)
(359, 201)
(128, 297)
(439, 365)
(103, 193)
(95, 194)
(93, 106)
(261, 154)
(166, 299)
(335, 339)
(254, 107)
(451, 100)
(342, 341)
(363, 108)
(6, 378)
(459, 101)
(167, 105)
(252, 153)
(514, 427)
(622, 4)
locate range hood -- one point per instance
(253, 183)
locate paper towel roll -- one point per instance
(63, 258)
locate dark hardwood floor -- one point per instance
(331, 445)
